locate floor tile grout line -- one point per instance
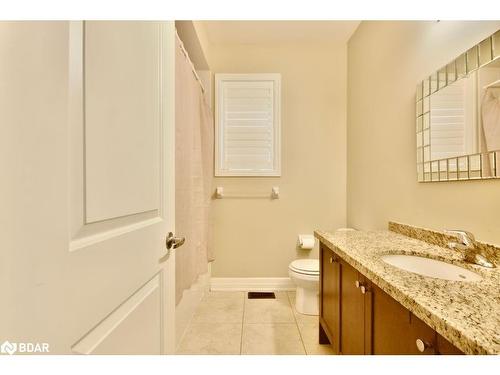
(297, 323)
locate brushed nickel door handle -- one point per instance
(174, 242)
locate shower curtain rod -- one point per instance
(184, 51)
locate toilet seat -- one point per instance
(305, 266)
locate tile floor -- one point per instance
(230, 323)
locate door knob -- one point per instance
(174, 242)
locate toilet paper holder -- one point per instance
(306, 241)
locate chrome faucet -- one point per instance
(467, 244)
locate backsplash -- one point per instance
(441, 239)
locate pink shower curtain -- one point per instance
(194, 140)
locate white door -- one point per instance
(87, 186)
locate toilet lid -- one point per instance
(307, 266)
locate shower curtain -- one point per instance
(193, 174)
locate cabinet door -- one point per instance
(391, 323)
(330, 295)
(352, 338)
(443, 346)
(396, 330)
(422, 332)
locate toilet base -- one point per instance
(307, 301)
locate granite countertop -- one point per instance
(466, 313)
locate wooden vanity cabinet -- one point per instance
(445, 347)
(355, 310)
(357, 317)
(329, 328)
(396, 330)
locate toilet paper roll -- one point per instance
(306, 241)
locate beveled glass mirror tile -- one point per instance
(451, 72)
(485, 52)
(442, 78)
(420, 155)
(435, 171)
(427, 153)
(489, 165)
(426, 87)
(427, 137)
(426, 120)
(419, 91)
(472, 59)
(474, 175)
(495, 163)
(434, 82)
(420, 172)
(461, 66)
(443, 170)
(463, 168)
(452, 169)
(419, 139)
(426, 104)
(475, 166)
(419, 124)
(427, 171)
(496, 44)
(419, 108)
(475, 162)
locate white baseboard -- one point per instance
(191, 298)
(258, 284)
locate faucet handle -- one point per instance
(466, 238)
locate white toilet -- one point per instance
(305, 274)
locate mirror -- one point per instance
(458, 117)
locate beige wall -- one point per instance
(385, 62)
(257, 237)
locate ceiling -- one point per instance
(277, 32)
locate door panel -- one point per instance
(391, 325)
(445, 347)
(122, 118)
(421, 331)
(352, 339)
(137, 322)
(86, 222)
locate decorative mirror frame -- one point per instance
(468, 167)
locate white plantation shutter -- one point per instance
(452, 121)
(247, 115)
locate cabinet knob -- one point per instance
(363, 289)
(331, 259)
(422, 345)
(357, 283)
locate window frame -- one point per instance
(219, 126)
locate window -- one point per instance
(247, 125)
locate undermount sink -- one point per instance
(430, 267)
